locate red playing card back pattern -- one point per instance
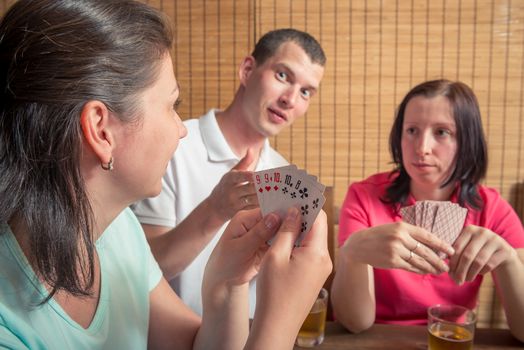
(449, 222)
(443, 219)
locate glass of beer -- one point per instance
(312, 331)
(450, 327)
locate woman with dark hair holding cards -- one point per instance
(390, 271)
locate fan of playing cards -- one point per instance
(280, 188)
(443, 219)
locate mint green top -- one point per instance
(129, 272)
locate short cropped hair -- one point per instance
(471, 158)
(269, 43)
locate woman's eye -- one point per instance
(410, 131)
(305, 93)
(443, 132)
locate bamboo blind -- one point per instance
(377, 50)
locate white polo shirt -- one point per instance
(200, 161)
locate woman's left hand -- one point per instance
(478, 250)
(236, 258)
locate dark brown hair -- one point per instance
(472, 157)
(55, 55)
(269, 43)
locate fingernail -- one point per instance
(270, 221)
(451, 251)
(292, 213)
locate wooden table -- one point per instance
(406, 338)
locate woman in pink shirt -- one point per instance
(389, 271)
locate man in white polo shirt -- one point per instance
(209, 178)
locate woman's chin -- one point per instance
(153, 192)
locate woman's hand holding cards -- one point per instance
(289, 280)
(398, 245)
(237, 257)
(478, 251)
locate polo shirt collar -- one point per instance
(218, 150)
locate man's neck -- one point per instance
(238, 133)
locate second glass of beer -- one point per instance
(312, 331)
(450, 327)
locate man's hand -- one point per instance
(236, 190)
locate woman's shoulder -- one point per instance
(493, 202)
(495, 208)
(371, 189)
(491, 197)
(498, 215)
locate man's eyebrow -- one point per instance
(282, 65)
(293, 75)
(312, 88)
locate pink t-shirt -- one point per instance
(402, 297)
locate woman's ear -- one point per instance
(94, 120)
(247, 67)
